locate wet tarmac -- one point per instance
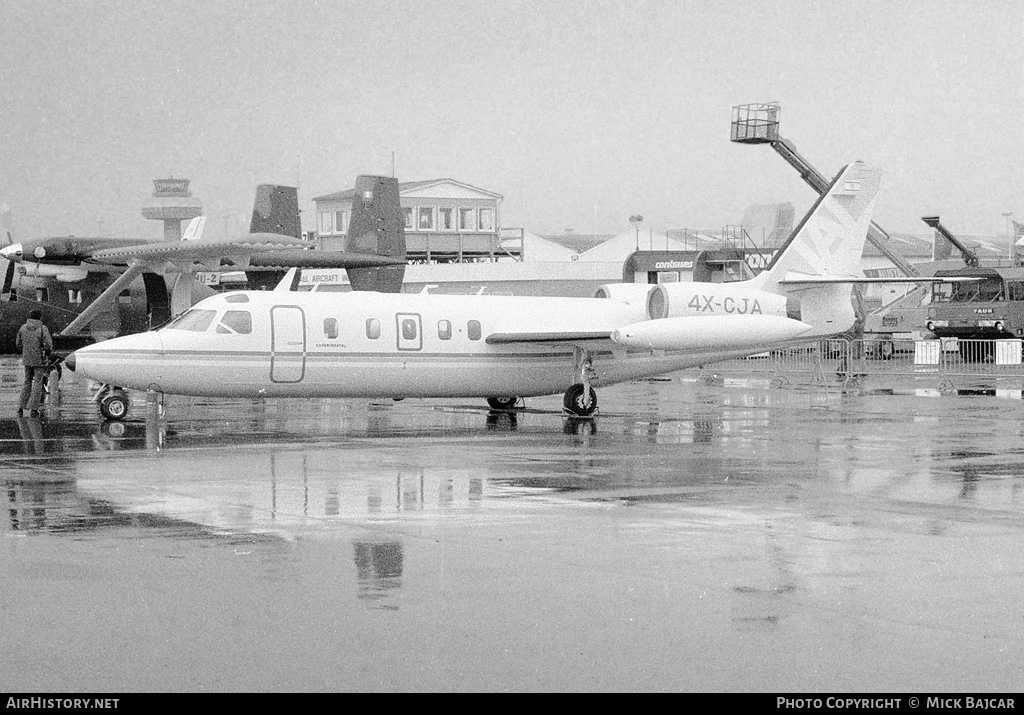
(695, 536)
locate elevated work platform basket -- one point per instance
(755, 123)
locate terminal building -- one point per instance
(446, 221)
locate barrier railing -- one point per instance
(845, 362)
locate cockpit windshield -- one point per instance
(196, 321)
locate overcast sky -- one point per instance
(580, 113)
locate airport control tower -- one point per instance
(172, 203)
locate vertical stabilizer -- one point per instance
(827, 247)
(377, 227)
(276, 210)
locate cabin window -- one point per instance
(196, 321)
(444, 329)
(1015, 290)
(467, 220)
(408, 329)
(426, 218)
(331, 328)
(236, 321)
(473, 329)
(942, 292)
(445, 221)
(372, 328)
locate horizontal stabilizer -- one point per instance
(821, 280)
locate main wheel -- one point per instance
(502, 403)
(115, 405)
(574, 402)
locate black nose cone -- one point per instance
(70, 362)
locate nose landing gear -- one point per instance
(113, 402)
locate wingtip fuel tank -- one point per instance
(725, 333)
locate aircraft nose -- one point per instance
(12, 252)
(70, 362)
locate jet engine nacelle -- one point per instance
(631, 293)
(671, 300)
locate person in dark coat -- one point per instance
(35, 343)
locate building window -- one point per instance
(445, 221)
(341, 221)
(407, 212)
(425, 222)
(372, 328)
(473, 329)
(444, 329)
(326, 222)
(42, 295)
(486, 219)
(467, 220)
(331, 328)
(74, 296)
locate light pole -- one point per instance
(1009, 235)
(635, 221)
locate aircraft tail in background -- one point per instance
(276, 210)
(377, 227)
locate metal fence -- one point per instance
(947, 364)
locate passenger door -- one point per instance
(287, 343)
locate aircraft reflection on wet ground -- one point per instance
(681, 541)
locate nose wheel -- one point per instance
(113, 403)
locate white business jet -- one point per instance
(285, 343)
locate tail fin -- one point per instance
(377, 226)
(822, 258)
(194, 230)
(5, 225)
(276, 210)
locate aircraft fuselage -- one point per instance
(364, 344)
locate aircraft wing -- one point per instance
(302, 258)
(553, 337)
(193, 251)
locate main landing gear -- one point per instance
(580, 400)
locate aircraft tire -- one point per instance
(574, 404)
(502, 403)
(114, 406)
